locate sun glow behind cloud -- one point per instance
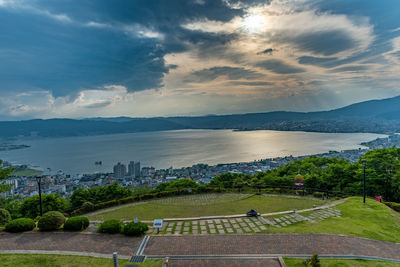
(254, 23)
(181, 61)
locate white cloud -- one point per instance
(137, 30)
(41, 103)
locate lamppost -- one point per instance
(364, 161)
(39, 180)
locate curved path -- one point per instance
(259, 245)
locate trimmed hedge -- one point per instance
(51, 220)
(393, 205)
(20, 225)
(4, 216)
(110, 227)
(88, 206)
(135, 229)
(318, 194)
(77, 223)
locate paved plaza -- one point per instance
(245, 225)
(272, 244)
(224, 262)
(68, 241)
(201, 250)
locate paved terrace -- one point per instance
(198, 246)
(70, 242)
(274, 244)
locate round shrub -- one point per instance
(135, 229)
(20, 225)
(87, 206)
(77, 223)
(51, 220)
(4, 216)
(110, 227)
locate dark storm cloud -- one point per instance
(279, 67)
(154, 12)
(318, 61)
(67, 56)
(326, 43)
(231, 72)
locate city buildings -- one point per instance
(65, 184)
(119, 170)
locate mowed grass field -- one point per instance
(342, 263)
(373, 220)
(38, 260)
(206, 205)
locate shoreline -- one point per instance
(365, 146)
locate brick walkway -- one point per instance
(90, 243)
(299, 244)
(273, 244)
(224, 262)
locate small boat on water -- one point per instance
(98, 163)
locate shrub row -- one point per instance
(52, 220)
(87, 206)
(110, 227)
(116, 227)
(393, 205)
(20, 225)
(77, 223)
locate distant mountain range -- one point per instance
(375, 116)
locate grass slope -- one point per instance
(374, 220)
(342, 263)
(198, 205)
(38, 260)
(25, 172)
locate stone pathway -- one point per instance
(313, 217)
(244, 225)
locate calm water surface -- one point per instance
(176, 148)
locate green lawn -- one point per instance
(38, 260)
(374, 220)
(25, 172)
(342, 263)
(207, 205)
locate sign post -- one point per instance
(158, 223)
(115, 259)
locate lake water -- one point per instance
(176, 148)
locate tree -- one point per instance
(181, 184)
(382, 172)
(30, 206)
(4, 174)
(239, 183)
(98, 194)
(225, 180)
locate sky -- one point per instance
(143, 58)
